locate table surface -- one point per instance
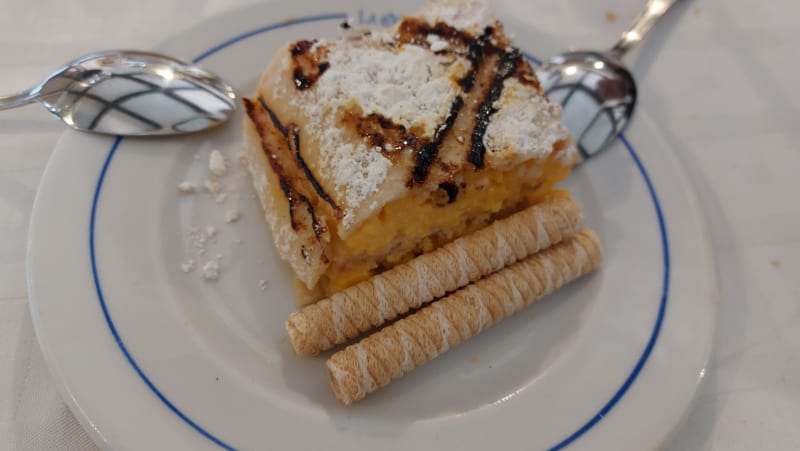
(719, 78)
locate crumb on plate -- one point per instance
(211, 270)
(212, 186)
(217, 164)
(232, 216)
(187, 266)
(186, 187)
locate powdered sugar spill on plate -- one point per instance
(201, 239)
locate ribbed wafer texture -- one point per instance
(384, 297)
(390, 353)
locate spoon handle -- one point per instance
(18, 99)
(639, 28)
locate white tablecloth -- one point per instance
(719, 77)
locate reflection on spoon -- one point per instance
(132, 93)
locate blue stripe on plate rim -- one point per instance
(583, 429)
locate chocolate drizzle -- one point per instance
(307, 65)
(279, 149)
(451, 189)
(294, 145)
(301, 47)
(506, 67)
(293, 197)
(318, 228)
(288, 193)
(427, 154)
(303, 80)
(476, 50)
(275, 121)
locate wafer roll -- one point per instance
(373, 362)
(384, 297)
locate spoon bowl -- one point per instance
(597, 94)
(132, 93)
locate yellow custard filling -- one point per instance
(424, 221)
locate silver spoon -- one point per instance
(132, 93)
(597, 92)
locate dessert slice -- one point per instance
(369, 150)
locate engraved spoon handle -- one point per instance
(653, 11)
(18, 99)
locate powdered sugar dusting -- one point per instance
(408, 85)
(525, 126)
(437, 43)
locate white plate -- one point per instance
(151, 358)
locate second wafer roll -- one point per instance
(384, 297)
(390, 353)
